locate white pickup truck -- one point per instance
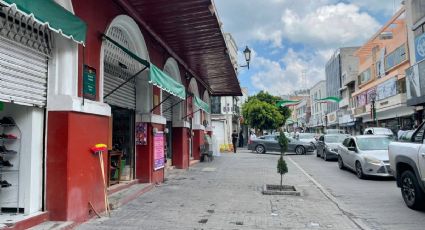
(407, 160)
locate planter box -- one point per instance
(271, 189)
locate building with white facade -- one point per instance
(318, 110)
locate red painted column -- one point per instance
(145, 172)
(180, 147)
(73, 175)
(198, 140)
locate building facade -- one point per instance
(117, 77)
(341, 65)
(415, 75)
(318, 110)
(383, 61)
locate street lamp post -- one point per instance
(373, 108)
(247, 54)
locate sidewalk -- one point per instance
(226, 194)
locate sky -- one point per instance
(291, 40)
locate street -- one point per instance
(226, 194)
(376, 201)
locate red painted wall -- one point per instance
(180, 148)
(73, 175)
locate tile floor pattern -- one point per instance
(226, 194)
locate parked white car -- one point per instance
(407, 160)
(367, 155)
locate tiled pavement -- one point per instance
(226, 194)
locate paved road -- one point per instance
(377, 202)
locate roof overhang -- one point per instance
(190, 31)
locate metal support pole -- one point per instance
(129, 79)
(156, 106)
(191, 114)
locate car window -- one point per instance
(351, 143)
(306, 135)
(270, 137)
(321, 138)
(346, 141)
(419, 135)
(335, 138)
(262, 138)
(376, 143)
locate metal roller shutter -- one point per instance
(167, 105)
(118, 67)
(24, 49)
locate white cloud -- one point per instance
(284, 76)
(329, 26)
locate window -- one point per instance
(215, 105)
(365, 76)
(401, 86)
(396, 57)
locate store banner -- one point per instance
(386, 89)
(420, 47)
(415, 83)
(361, 99)
(369, 94)
(158, 150)
(141, 133)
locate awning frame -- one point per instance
(147, 65)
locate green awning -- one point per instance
(160, 79)
(201, 104)
(55, 16)
(156, 76)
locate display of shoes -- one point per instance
(5, 184)
(6, 151)
(8, 136)
(6, 164)
(7, 121)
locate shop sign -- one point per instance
(386, 89)
(332, 117)
(89, 82)
(158, 150)
(141, 133)
(420, 47)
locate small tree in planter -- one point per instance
(282, 168)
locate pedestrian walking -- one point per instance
(234, 140)
(252, 136)
(241, 139)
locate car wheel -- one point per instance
(260, 149)
(300, 150)
(413, 196)
(359, 171)
(325, 157)
(340, 163)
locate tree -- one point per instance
(253, 117)
(261, 115)
(282, 168)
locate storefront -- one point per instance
(30, 47)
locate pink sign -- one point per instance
(158, 150)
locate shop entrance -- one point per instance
(120, 93)
(122, 157)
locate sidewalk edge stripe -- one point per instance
(358, 222)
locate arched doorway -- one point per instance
(117, 67)
(172, 110)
